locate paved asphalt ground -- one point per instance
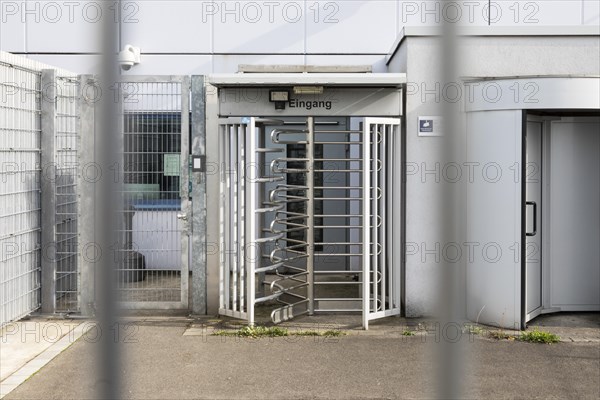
(160, 362)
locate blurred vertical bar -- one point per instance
(109, 148)
(450, 312)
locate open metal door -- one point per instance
(495, 205)
(381, 203)
(533, 214)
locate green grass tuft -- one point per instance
(537, 336)
(473, 329)
(406, 332)
(274, 331)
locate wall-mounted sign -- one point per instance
(430, 126)
(198, 163)
(333, 101)
(171, 164)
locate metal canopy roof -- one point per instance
(308, 79)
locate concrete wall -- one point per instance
(428, 177)
(199, 37)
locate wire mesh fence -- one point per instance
(42, 147)
(22, 172)
(20, 202)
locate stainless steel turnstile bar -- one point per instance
(375, 237)
(252, 230)
(310, 210)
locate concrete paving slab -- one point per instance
(27, 346)
(160, 362)
(22, 341)
(574, 327)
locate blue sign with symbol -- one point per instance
(426, 126)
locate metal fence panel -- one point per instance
(20, 202)
(66, 145)
(22, 174)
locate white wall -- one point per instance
(427, 183)
(195, 36)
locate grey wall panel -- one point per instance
(504, 13)
(64, 27)
(350, 26)
(173, 65)
(545, 12)
(494, 218)
(342, 27)
(591, 12)
(169, 27)
(78, 62)
(12, 30)
(529, 56)
(425, 187)
(508, 57)
(259, 27)
(575, 215)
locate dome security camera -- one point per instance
(128, 57)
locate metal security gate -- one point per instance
(154, 267)
(382, 176)
(307, 226)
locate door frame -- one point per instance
(577, 94)
(546, 121)
(528, 316)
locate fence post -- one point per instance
(198, 266)
(89, 173)
(48, 185)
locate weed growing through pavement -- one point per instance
(537, 336)
(275, 331)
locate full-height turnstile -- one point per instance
(310, 217)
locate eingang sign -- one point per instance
(342, 101)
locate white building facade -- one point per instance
(521, 42)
